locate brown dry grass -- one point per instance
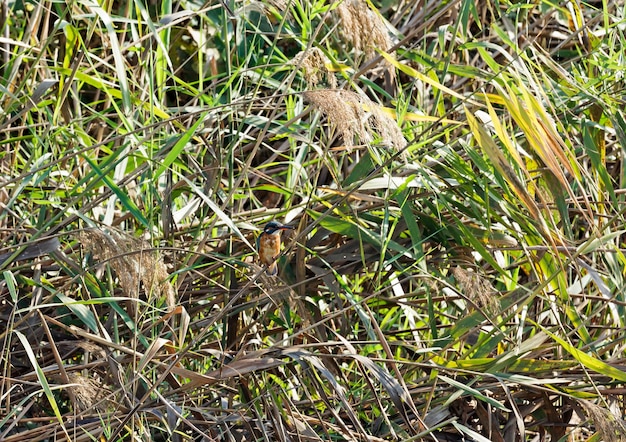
(315, 65)
(133, 260)
(357, 118)
(477, 289)
(363, 28)
(610, 427)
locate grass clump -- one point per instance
(453, 174)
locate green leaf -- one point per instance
(589, 362)
(41, 377)
(80, 310)
(178, 148)
(361, 170)
(121, 195)
(472, 391)
(9, 279)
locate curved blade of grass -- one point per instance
(219, 212)
(41, 377)
(117, 55)
(416, 74)
(178, 147)
(121, 195)
(475, 393)
(398, 395)
(81, 311)
(102, 296)
(471, 433)
(112, 91)
(598, 161)
(408, 214)
(11, 284)
(588, 361)
(500, 163)
(352, 230)
(308, 361)
(593, 244)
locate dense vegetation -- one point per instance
(454, 173)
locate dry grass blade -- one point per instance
(249, 363)
(29, 251)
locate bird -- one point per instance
(268, 245)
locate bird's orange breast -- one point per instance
(269, 248)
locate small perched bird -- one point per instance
(268, 245)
